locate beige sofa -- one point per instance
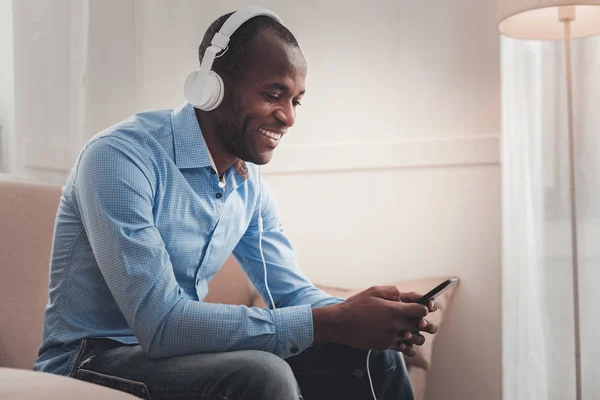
(27, 213)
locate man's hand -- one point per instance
(414, 338)
(378, 318)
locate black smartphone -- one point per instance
(439, 289)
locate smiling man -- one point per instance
(151, 210)
(261, 101)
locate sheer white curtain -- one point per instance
(538, 336)
(75, 75)
(51, 47)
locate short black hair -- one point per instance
(236, 59)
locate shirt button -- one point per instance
(294, 350)
(219, 195)
(212, 171)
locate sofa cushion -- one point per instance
(230, 286)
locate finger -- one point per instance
(414, 338)
(407, 349)
(410, 297)
(385, 292)
(427, 326)
(433, 305)
(399, 345)
(412, 310)
(417, 339)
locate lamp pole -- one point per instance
(566, 14)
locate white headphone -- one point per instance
(204, 87)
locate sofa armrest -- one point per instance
(29, 385)
(418, 381)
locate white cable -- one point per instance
(369, 373)
(262, 256)
(260, 232)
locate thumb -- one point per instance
(410, 297)
(387, 292)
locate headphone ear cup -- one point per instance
(206, 96)
(213, 92)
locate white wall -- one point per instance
(361, 228)
(112, 63)
(412, 69)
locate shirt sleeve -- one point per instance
(288, 285)
(114, 190)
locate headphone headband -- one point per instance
(204, 87)
(236, 20)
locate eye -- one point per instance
(296, 103)
(271, 96)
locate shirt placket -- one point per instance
(216, 240)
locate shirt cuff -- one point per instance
(294, 330)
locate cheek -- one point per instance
(258, 117)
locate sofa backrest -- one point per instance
(27, 214)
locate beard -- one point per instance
(234, 137)
(238, 139)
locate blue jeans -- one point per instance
(327, 371)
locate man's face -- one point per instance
(259, 109)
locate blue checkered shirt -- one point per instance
(141, 228)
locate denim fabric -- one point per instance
(333, 371)
(327, 371)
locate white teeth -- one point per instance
(272, 135)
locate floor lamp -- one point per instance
(557, 20)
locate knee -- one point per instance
(392, 372)
(384, 361)
(270, 377)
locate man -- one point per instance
(152, 209)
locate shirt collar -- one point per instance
(190, 147)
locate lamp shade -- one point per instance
(538, 19)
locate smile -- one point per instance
(272, 135)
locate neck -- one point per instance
(221, 157)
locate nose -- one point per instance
(286, 115)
